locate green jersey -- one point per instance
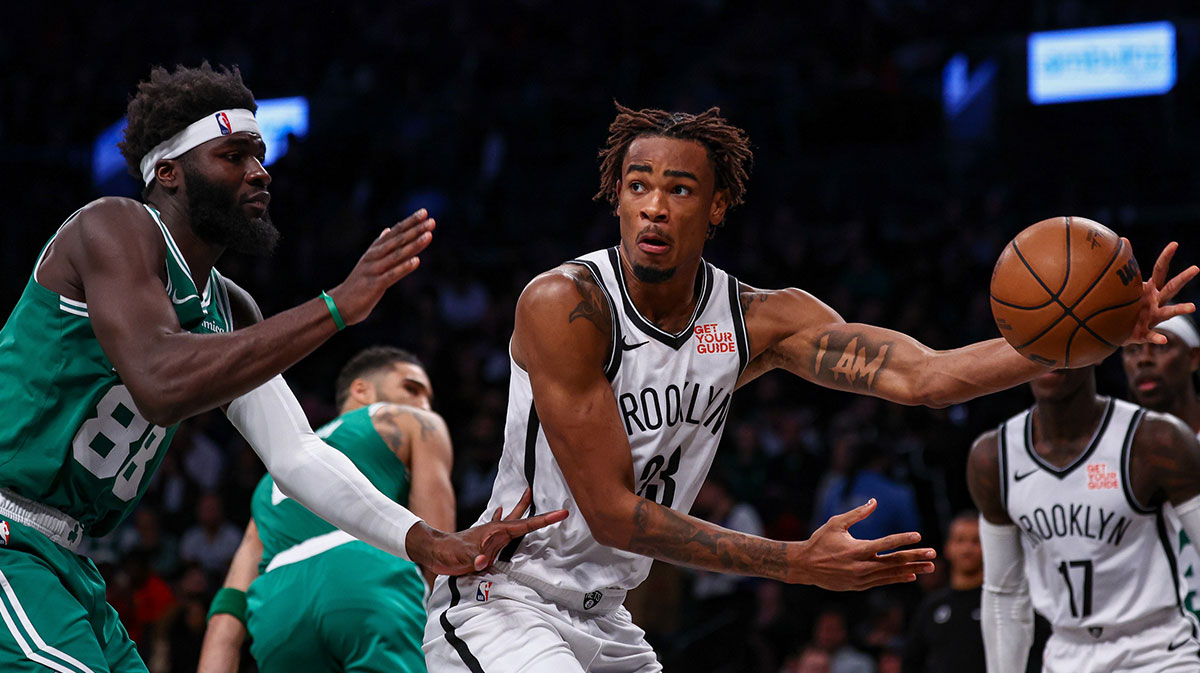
(284, 523)
(72, 437)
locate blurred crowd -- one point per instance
(490, 116)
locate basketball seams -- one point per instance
(1082, 324)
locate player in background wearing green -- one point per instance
(125, 328)
(319, 600)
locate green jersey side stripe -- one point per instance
(10, 607)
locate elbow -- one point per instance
(159, 410)
(933, 391)
(606, 526)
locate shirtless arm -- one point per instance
(1006, 614)
(421, 441)
(561, 337)
(222, 648)
(792, 330)
(111, 256)
(1164, 466)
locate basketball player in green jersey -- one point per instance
(125, 329)
(325, 601)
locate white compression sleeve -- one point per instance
(315, 474)
(1007, 614)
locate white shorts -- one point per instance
(1161, 646)
(490, 623)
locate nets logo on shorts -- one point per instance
(4, 532)
(223, 124)
(483, 591)
(591, 598)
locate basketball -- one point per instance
(1066, 292)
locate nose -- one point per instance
(258, 175)
(654, 207)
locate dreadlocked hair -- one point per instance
(727, 145)
(169, 102)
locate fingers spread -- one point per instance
(855, 515)
(1163, 263)
(523, 526)
(522, 506)
(893, 541)
(1176, 284)
(923, 555)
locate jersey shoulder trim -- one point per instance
(1126, 454)
(739, 322)
(615, 344)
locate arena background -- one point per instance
(867, 190)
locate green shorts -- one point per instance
(352, 608)
(53, 614)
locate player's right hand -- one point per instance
(833, 559)
(392, 256)
(475, 549)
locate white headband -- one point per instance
(1182, 328)
(215, 125)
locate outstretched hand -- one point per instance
(475, 549)
(391, 256)
(835, 560)
(1157, 291)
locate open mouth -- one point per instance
(653, 244)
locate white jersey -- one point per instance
(1095, 557)
(673, 393)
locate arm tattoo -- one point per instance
(853, 363)
(664, 534)
(389, 420)
(387, 424)
(592, 307)
(749, 296)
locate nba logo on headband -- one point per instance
(223, 124)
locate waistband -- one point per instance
(597, 601)
(309, 548)
(60, 528)
(1089, 635)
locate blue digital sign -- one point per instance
(277, 118)
(1104, 62)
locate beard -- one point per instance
(652, 275)
(219, 220)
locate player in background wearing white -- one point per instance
(1072, 496)
(623, 363)
(1162, 377)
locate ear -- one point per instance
(1193, 359)
(720, 203)
(362, 392)
(169, 173)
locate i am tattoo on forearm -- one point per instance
(849, 359)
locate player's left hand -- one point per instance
(1156, 292)
(476, 548)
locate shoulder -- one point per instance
(245, 310)
(113, 223)
(1160, 428)
(985, 452)
(389, 418)
(563, 313)
(563, 286)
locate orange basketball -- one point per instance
(1066, 292)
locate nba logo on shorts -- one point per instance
(591, 598)
(223, 124)
(485, 588)
(4, 532)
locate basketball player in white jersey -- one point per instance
(1072, 496)
(623, 362)
(1162, 377)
